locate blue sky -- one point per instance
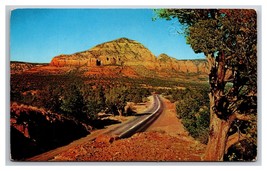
(37, 35)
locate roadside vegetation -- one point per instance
(46, 108)
(192, 108)
(76, 96)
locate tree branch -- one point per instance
(232, 139)
(228, 75)
(244, 117)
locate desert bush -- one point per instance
(116, 97)
(61, 93)
(50, 98)
(116, 100)
(191, 107)
(73, 103)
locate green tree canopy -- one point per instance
(228, 38)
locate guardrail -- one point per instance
(143, 124)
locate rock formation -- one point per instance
(122, 51)
(186, 66)
(126, 52)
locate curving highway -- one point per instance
(127, 129)
(140, 123)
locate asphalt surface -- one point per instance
(140, 123)
(124, 130)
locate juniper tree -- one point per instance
(228, 38)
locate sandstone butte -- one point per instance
(126, 52)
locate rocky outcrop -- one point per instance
(126, 52)
(34, 131)
(186, 66)
(122, 51)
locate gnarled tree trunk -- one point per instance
(219, 119)
(217, 136)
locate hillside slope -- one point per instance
(126, 52)
(18, 67)
(34, 131)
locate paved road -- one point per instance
(140, 123)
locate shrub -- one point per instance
(191, 107)
(73, 103)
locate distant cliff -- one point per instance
(122, 51)
(186, 66)
(126, 52)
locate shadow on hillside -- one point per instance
(33, 132)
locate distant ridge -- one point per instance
(127, 52)
(25, 62)
(18, 66)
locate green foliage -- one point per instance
(73, 103)
(51, 98)
(138, 94)
(64, 92)
(117, 97)
(101, 99)
(242, 151)
(228, 38)
(192, 108)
